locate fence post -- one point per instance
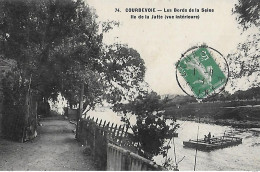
(114, 132)
(108, 158)
(94, 141)
(117, 135)
(121, 136)
(125, 161)
(100, 123)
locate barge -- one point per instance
(213, 143)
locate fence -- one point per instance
(119, 159)
(115, 134)
(111, 146)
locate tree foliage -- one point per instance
(150, 130)
(58, 44)
(245, 62)
(248, 12)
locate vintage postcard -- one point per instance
(128, 85)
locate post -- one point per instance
(94, 141)
(79, 116)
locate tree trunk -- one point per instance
(80, 109)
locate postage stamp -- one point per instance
(201, 72)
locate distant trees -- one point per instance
(249, 94)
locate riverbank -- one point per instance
(240, 114)
(224, 122)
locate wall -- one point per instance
(120, 159)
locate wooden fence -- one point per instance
(99, 136)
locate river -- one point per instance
(245, 156)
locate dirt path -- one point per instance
(54, 149)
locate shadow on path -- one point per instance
(54, 149)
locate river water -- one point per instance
(245, 156)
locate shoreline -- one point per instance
(224, 122)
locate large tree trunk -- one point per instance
(80, 108)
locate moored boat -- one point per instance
(213, 143)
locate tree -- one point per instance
(123, 72)
(150, 130)
(248, 13)
(58, 46)
(245, 62)
(44, 38)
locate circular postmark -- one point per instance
(202, 72)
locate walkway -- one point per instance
(54, 149)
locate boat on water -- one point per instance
(213, 143)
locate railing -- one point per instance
(115, 134)
(111, 146)
(96, 134)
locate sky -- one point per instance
(161, 42)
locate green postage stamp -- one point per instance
(201, 73)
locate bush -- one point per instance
(150, 130)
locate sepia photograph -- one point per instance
(129, 85)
